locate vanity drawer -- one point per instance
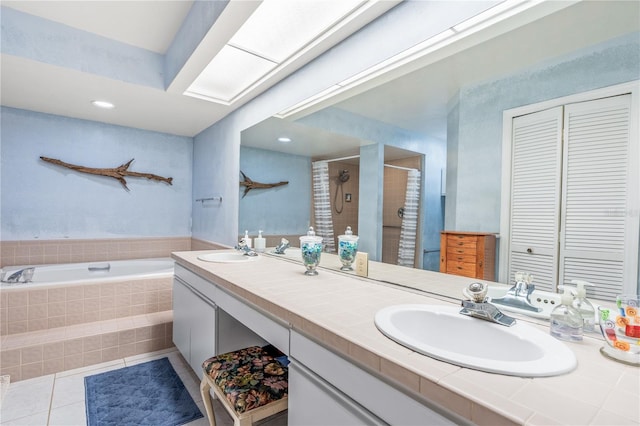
(461, 268)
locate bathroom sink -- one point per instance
(226, 257)
(441, 332)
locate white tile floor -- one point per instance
(58, 399)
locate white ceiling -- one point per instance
(152, 25)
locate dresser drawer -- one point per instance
(462, 256)
(461, 251)
(462, 241)
(461, 268)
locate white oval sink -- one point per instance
(441, 332)
(226, 257)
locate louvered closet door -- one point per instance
(535, 196)
(595, 188)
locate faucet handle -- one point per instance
(476, 291)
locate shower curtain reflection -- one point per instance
(322, 205)
(409, 227)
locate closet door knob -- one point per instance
(529, 250)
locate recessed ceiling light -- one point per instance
(284, 139)
(103, 104)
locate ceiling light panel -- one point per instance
(280, 28)
(277, 31)
(230, 72)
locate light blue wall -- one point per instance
(370, 200)
(281, 210)
(475, 150)
(45, 201)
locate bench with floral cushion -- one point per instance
(251, 384)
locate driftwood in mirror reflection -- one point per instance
(117, 173)
(251, 184)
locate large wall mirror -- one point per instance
(446, 115)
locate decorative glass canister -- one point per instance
(311, 247)
(621, 329)
(347, 249)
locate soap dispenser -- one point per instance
(565, 322)
(247, 238)
(586, 309)
(260, 242)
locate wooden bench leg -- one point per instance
(205, 386)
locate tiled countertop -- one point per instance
(338, 310)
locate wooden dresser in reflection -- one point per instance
(470, 254)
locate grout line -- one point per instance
(53, 389)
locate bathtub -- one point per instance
(92, 272)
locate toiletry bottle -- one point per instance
(586, 309)
(259, 242)
(247, 239)
(565, 322)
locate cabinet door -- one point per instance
(598, 226)
(194, 325)
(314, 402)
(203, 332)
(535, 196)
(181, 312)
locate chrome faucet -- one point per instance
(280, 248)
(244, 247)
(25, 275)
(478, 307)
(519, 296)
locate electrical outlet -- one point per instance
(362, 264)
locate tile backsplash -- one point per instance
(43, 252)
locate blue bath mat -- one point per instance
(143, 394)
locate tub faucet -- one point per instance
(25, 274)
(478, 307)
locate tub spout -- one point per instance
(23, 275)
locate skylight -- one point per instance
(276, 32)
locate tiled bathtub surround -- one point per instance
(29, 355)
(48, 330)
(27, 310)
(41, 252)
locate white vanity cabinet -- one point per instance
(194, 324)
(208, 321)
(325, 388)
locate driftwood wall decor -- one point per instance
(117, 173)
(251, 184)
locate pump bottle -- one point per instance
(259, 242)
(586, 309)
(247, 238)
(565, 322)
